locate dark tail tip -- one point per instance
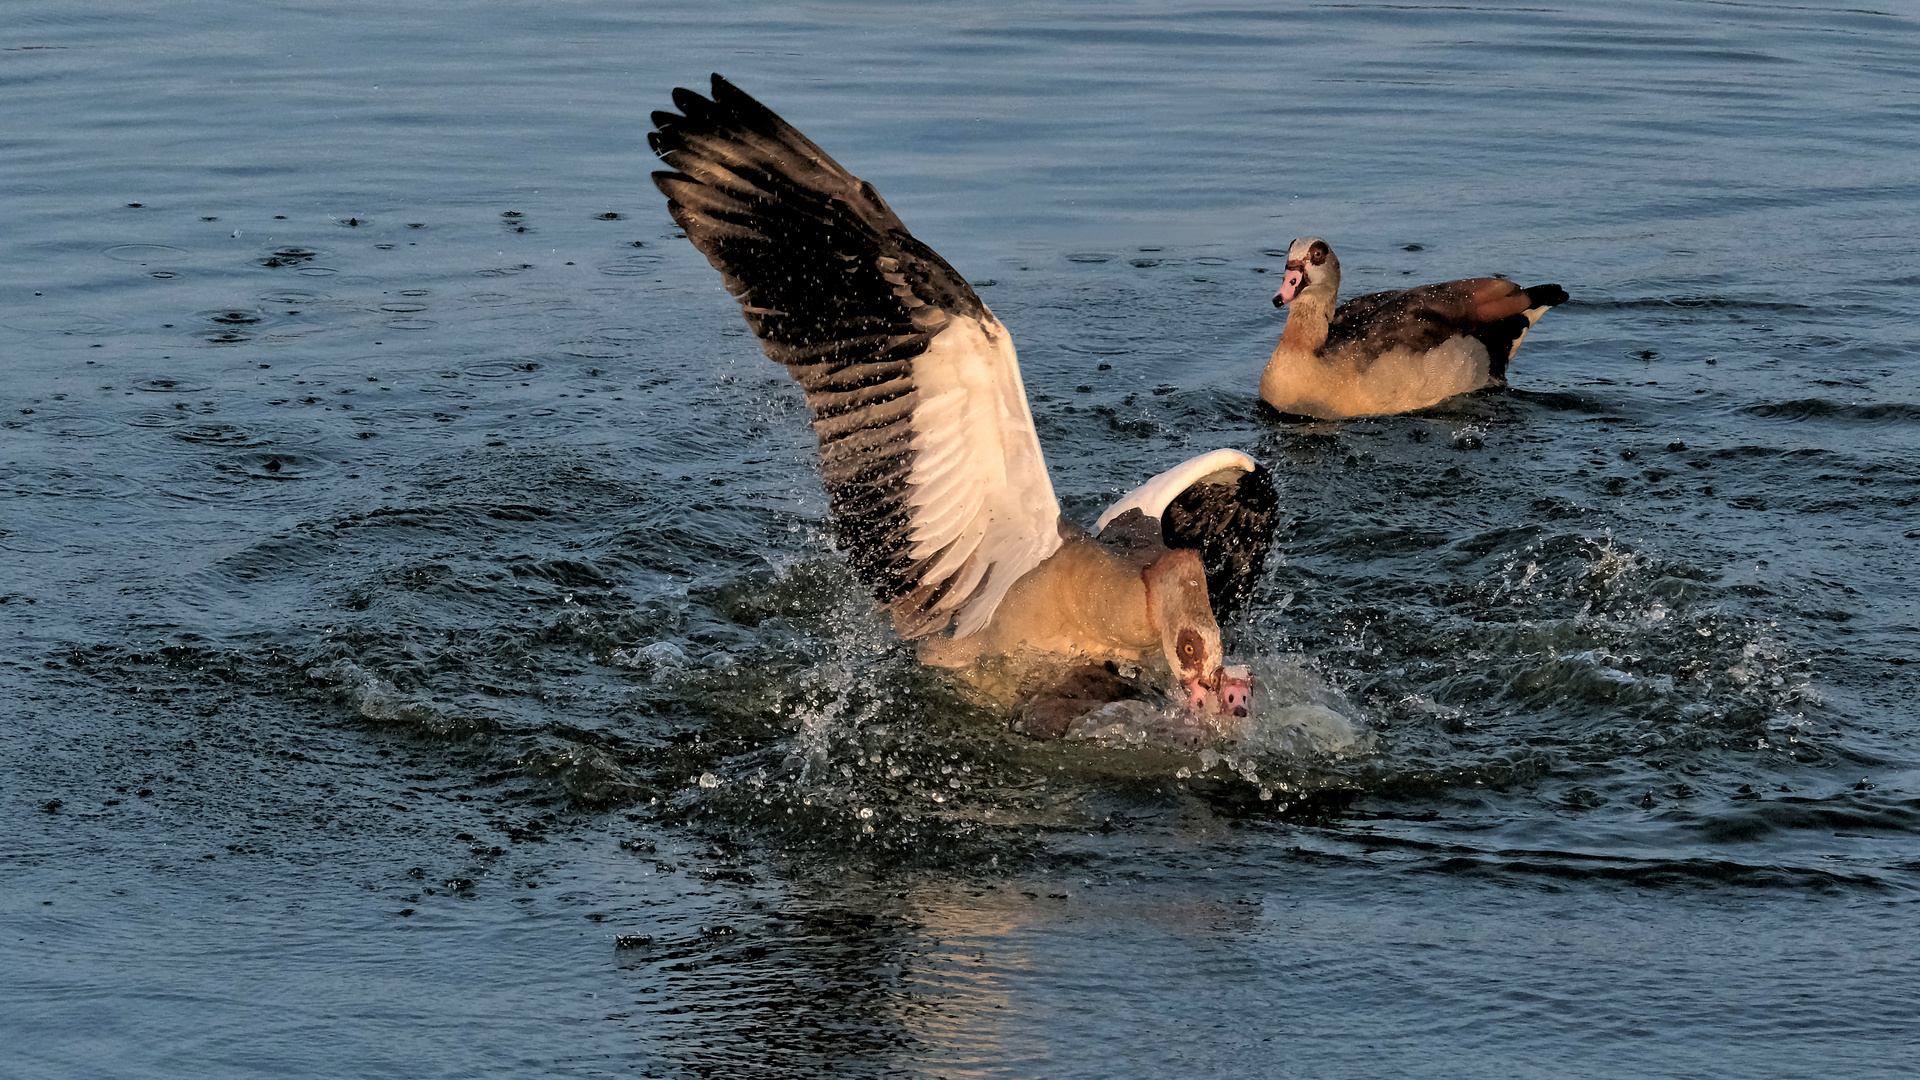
(1546, 296)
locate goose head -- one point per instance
(1311, 267)
(1177, 603)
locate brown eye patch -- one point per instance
(1317, 254)
(1191, 650)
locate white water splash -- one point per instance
(1295, 715)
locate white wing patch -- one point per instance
(982, 501)
(1152, 497)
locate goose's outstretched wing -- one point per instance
(1221, 504)
(940, 495)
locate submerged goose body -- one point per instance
(939, 492)
(1391, 352)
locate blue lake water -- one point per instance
(424, 655)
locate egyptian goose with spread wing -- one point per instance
(1391, 352)
(939, 494)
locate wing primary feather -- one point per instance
(1231, 525)
(1222, 504)
(872, 324)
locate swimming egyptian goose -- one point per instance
(1391, 352)
(939, 494)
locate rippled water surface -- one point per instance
(424, 656)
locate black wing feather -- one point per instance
(838, 291)
(1231, 526)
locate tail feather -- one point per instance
(1545, 296)
(1502, 339)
